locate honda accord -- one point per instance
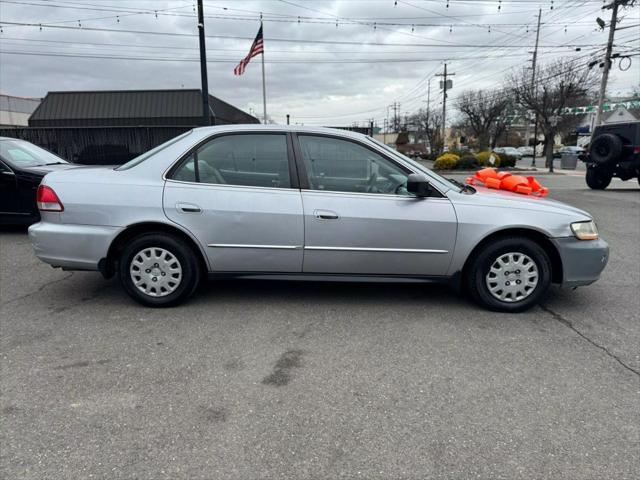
(306, 204)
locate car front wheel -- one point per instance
(598, 178)
(158, 270)
(509, 275)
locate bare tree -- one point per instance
(484, 113)
(499, 126)
(428, 126)
(560, 84)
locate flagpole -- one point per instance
(264, 88)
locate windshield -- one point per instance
(419, 166)
(21, 154)
(141, 158)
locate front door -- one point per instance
(360, 219)
(239, 197)
(9, 198)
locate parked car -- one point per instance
(614, 152)
(526, 151)
(513, 152)
(307, 204)
(22, 167)
(569, 150)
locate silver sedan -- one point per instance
(306, 204)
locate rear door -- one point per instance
(359, 217)
(238, 194)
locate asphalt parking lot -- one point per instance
(316, 380)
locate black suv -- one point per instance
(614, 152)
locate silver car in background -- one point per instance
(513, 152)
(306, 203)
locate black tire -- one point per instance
(606, 149)
(598, 178)
(478, 270)
(181, 252)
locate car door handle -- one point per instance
(325, 214)
(188, 208)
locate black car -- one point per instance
(22, 166)
(614, 152)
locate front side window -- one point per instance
(258, 160)
(344, 166)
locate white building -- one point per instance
(15, 111)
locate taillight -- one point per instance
(47, 200)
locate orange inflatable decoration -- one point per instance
(506, 181)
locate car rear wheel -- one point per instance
(509, 275)
(598, 178)
(158, 270)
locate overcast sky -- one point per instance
(354, 75)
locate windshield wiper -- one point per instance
(463, 186)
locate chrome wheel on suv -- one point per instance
(512, 277)
(155, 272)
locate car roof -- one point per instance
(280, 128)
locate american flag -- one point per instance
(257, 47)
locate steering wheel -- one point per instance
(401, 184)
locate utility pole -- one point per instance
(396, 121)
(428, 113)
(607, 59)
(206, 119)
(535, 89)
(445, 87)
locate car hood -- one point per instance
(490, 197)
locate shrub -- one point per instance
(455, 151)
(446, 161)
(483, 159)
(449, 156)
(507, 161)
(467, 162)
(428, 156)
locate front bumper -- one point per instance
(582, 260)
(72, 247)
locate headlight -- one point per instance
(585, 230)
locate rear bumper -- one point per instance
(582, 261)
(72, 247)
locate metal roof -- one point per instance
(132, 107)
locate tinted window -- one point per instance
(250, 160)
(343, 166)
(141, 158)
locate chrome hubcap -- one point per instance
(512, 277)
(155, 272)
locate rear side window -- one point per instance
(259, 160)
(141, 158)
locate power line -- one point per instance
(226, 60)
(271, 39)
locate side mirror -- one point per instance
(418, 185)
